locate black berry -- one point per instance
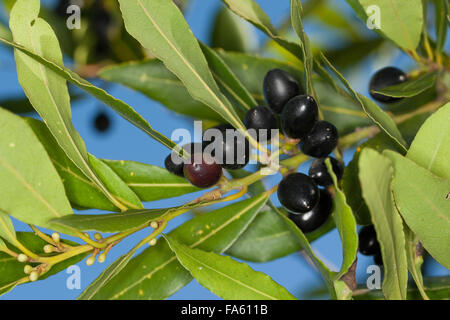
(368, 243)
(175, 164)
(261, 118)
(378, 259)
(299, 116)
(320, 141)
(202, 171)
(298, 193)
(319, 172)
(232, 150)
(383, 78)
(314, 219)
(279, 87)
(102, 122)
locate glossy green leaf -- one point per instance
(46, 91)
(346, 225)
(373, 111)
(120, 190)
(156, 273)
(226, 277)
(431, 147)
(375, 174)
(80, 191)
(231, 33)
(150, 182)
(421, 196)
(152, 78)
(414, 259)
(7, 231)
(410, 88)
(4, 32)
(401, 20)
(12, 270)
(442, 9)
(269, 238)
(34, 193)
(227, 81)
(2, 246)
(152, 23)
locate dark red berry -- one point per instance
(368, 243)
(203, 172)
(299, 116)
(102, 122)
(175, 164)
(319, 172)
(228, 146)
(298, 193)
(383, 78)
(279, 87)
(261, 118)
(320, 141)
(314, 219)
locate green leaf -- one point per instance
(400, 21)
(226, 277)
(34, 193)
(152, 78)
(46, 91)
(269, 238)
(431, 147)
(7, 231)
(422, 200)
(150, 182)
(156, 273)
(414, 259)
(373, 111)
(12, 270)
(410, 88)
(375, 174)
(228, 82)
(2, 247)
(231, 33)
(442, 9)
(346, 225)
(115, 184)
(152, 23)
(4, 32)
(80, 191)
(307, 56)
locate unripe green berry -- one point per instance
(98, 236)
(152, 242)
(22, 258)
(27, 269)
(102, 257)
(90, 261)
(154, 224)
(48, 248)
(56, 237)
(34, 275)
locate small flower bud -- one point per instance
(34, 275)
(154, 224)
(152, 242)
(27, 269)
(98, 236)
(56, 237)
(90, 261)
(102, 257)
(22, 258)
(48, 248)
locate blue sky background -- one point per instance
(129, 143)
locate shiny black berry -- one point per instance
(319, 172)
(229, 147)
(298, 193)
(102, 122)
(261, 118)
(320, 141)
(279, 87)
(314, 219)
(175, 164)
(378, 259)
(202, 171)
(383, 78)
(368, 243)
(299, 116)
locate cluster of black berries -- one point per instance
(309, 206)
(368, 244)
